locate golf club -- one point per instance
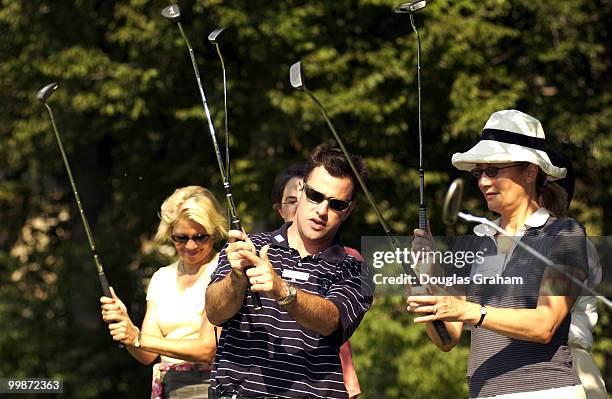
(173, 13)
(297, 81)
(410, 8)
(42, 96)
(452, 202)
(213, 38)
(450, 212)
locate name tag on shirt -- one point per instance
(295, 275)
(491, 267)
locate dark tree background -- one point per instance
(132, 124)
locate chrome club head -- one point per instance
(214, 35)
(46, 92)
(172, 12)
(295, 75)
(410, 7)
(452, 202)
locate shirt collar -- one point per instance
(536, 219)
(335, 253)
(482, 229)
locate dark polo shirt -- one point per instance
(501, 365)
(266, 352)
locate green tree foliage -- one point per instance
(134, 130)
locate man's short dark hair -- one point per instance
(283, 178)
(336, 164)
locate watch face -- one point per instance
(291, 295)
(138, 338)
(483, 310)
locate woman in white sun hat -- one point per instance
(518, 336)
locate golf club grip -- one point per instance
(442, 331)
(438, 324)
(255, 298)
(235, 224)
(422, 217)
(107, 293)
(104, 284)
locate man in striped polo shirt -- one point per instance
(313, 294)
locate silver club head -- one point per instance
(172, 12)
(295, 75)
(452, 202)
(410, 7)
(214, 35)
(46, 92)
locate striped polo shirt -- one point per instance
(500, 365)
(266, 352)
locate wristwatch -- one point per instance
(483, 313)
(291, 295)
(138, 338)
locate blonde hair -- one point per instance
(194, 203)
(551, 195)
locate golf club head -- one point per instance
(46, 92)
(295, 75)
(215, 34)
(172, 12)
(452, 202)
(410, 7)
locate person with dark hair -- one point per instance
(519, 331)
(313, 294)
(567, 183)
(284, 199)
(285, 189)
(584, 311)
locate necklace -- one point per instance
(183, 270)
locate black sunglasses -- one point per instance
(184, 239)
(491, 171)
(318, 197)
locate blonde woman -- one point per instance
(175, 326)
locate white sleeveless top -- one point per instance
(179, 314)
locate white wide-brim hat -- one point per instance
(510, 136)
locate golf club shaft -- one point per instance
(438, 324)
(211, 127)
(92, 245)
(226, 125)
(422, 209)
(233, 224)
(367, 193)
(470, 218)
(234, 219)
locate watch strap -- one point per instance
(483, 313)
(291, 295)
(138, 338)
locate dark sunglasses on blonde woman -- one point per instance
(184, 239)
